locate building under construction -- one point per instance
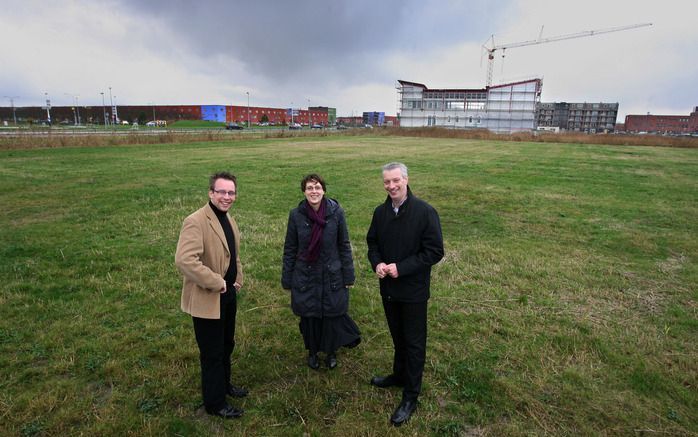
(503, 108)
(577, 117)
(507, 108)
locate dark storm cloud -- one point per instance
(316, 40)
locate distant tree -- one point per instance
(141, 118)
(264, 119)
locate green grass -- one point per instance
(566, 303)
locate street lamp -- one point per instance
(75, 117)
(48, 109)
(111, 103)
(12, 104)
(104, 111)
(310, 116)
(77, 107)
(115, 112)
(153, 112)
(248, 109)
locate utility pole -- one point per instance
(310, 116)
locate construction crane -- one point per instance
(491, 50)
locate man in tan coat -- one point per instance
(208, 255)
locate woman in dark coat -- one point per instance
(318, 268)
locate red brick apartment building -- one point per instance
(663, 124)
(277, 115)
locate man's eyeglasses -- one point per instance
(224, 192)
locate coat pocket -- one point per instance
(337, 301)
(301, 277)
(335, 276)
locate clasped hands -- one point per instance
(383, 270)
(236, 285)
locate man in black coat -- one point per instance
(404, 241)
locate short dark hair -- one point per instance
(221, 175)
(313, 177)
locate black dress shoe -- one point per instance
(385, 381)
(403, 412)
(236, 392)
(227, 412)
(331, 361)
(313, 362)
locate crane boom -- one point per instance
(491, 50)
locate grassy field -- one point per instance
(566, 303)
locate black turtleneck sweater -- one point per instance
(231, 273)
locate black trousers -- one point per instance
(408, 328)
(216, 340)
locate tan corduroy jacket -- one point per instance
(203, 258)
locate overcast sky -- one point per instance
(346, 55)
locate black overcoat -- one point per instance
(318, 289)
(412, 239)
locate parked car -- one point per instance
(233, 126)
(294, 126)
(150, 124)
(341, 127)
(317, 126)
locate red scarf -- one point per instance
(312, 253)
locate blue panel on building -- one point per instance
(374, 118)
(213, 113)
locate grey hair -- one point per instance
(394, 165)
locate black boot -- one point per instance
(313, 362)
(331, 360)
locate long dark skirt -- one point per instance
(329, 333)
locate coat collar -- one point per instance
(216, 225)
